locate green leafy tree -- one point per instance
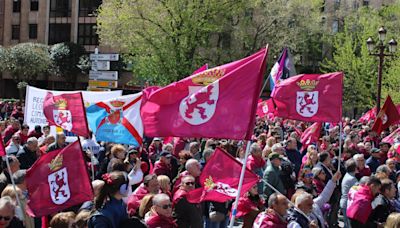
(352, 57)
(166, 40)
(26, 61)
(66, 59)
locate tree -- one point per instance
(166, 40)
(26, 61)
(352, 57)
(66, 59)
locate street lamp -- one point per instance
(392, 46)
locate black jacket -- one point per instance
(381, 209)
(26, 158)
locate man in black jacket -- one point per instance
(382, 206)
(28, 155)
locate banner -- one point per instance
(34, 99)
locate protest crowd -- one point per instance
(306, 175)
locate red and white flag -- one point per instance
(2, 148)
(220, 179)
(386, 116)
(311, 135)
(66, 111)
(393, 137)
(217, 103)
(58, 180)
(310, 97)
(266, 108)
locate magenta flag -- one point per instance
(66, 111)
(266, 108)
(220, 179)
(393, 137)
(57, 181)
(310, 97)
(2, 148)
(220, 102)
(311, 135)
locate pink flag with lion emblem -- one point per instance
(66, 111)
(220, 179)
(220, 102)
(310, 97)
(57, 181)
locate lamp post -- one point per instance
(380, 52)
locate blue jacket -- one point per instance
(110, 216)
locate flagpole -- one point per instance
(264, 85)
(15, 189)
(235, 204)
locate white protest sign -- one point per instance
(35, 97)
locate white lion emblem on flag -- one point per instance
(307, 103)
(59, 188)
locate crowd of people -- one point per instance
(300, 185)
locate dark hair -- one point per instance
(373, 180)
(25, 126)
(38, 128)
(117, 165)
(386, 185)
(113, 182)
(323, 156)
(351, 165)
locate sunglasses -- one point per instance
(166, 206)
(5, 218)
(309, 175)
(189, 183)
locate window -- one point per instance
(15, 32)
(34, 5)
(32, 31)
(59, 33)
(88, 7)
(87, 34)
(60, 8)
(366, 3)
(16, 6)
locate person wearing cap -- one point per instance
(373, 161)
(272, 175)
(163, 165)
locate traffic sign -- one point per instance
(101, 65)
(104, 57)
(104, 84)
(103, 75)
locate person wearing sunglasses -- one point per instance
(161, 212)
(306, 182)
(7, 213)
(187, 214)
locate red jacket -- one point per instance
(269, 219)
(156, 221)
(135, 198)
(246, 205)
(255, 163)
(160, 168)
